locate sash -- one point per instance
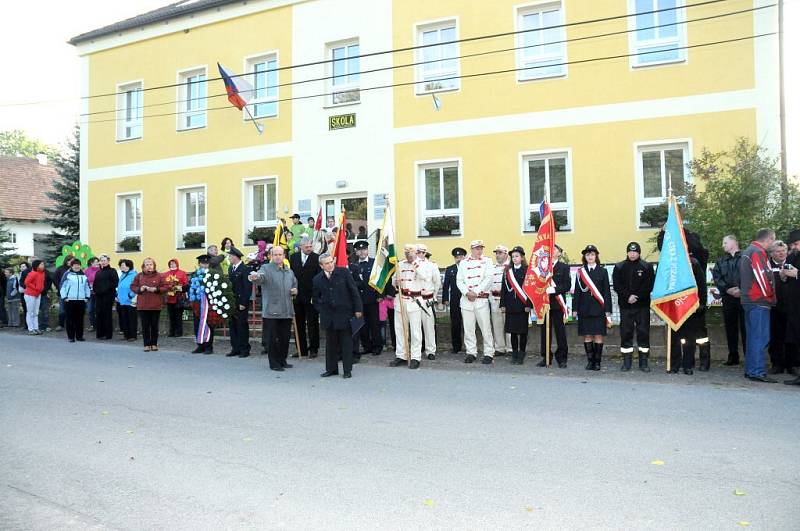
(203, 330)
(587, 281)
(563, 304)
(518, 291)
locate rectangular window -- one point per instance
(657, 167)
(345, 70)
(192, 92)
(547, 174)
(440, 199)
(439, 57)
(12, 237)
(129, 111)
(129, 221)
(658, 35)
(192, 216)
(262, 203)
(543, 51)
(263, 75)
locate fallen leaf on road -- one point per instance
(738, 492)
(104, 412)
(744, 523)
(428, 502)
(657, 462)
(529, 509)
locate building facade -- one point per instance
(462, 114)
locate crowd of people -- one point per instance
(305, 291)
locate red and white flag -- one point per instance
(540, 269)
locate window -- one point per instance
(548, 173)
(192, 216)
(440, 197)
(658, 35)
(12, 237)
(262, 203)
(543, 52)
(345, 72)
(657, 166)
(129, 111)
(192, 91)
(129, 221)
(264, 78)
(439, 58)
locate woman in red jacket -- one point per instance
(34, 286)
(177, 283)
(149, 287)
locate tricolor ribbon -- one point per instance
(587, 281)
(203, 330)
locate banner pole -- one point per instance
(669, 348)
(547, 336)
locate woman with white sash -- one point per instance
(591, 304)
(516, 306)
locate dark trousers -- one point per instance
(208, 344)
(338, 343)
(370, 333)
(104, 319)
(150, 326)
(276, 339)
(682, 353)
(91, 309)
(519, 342)
(557, 331)
(74, 318)
(390, 322)
(733, 316)
(3, 313)
(240, 332)
(175, 313)
(634, 320)
(781, 354)
(456, 327)
(62, 313)
(44, 312)
(24, 309)
(307, 320)
(127, 320)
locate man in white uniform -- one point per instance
(408, 309)
(501, 339)
(431, 281)
(474, 280)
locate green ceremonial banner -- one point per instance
(385, 256)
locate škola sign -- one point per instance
(342, 121)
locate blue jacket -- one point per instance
(124, 294)
(74, 286)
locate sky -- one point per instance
(39, 65)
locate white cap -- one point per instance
(422, 248)
(500, 247)
(476, 243)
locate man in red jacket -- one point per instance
(758, 297)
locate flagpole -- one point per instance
(259, 128)
(669, 348)
(547, 336)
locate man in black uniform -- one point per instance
(633, 282)
(361, 269)
(451, 297)
(242, 288)
(726, 280)
(562, 283)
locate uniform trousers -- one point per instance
(456, 327)
(558, 332)
(429, 329)
(240, 331)
(413, 316)
(370, 334)
(634, 320)
(478, 316)
(684, 343)
(502, 342)
(74, 318)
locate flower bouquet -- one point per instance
(215, 286)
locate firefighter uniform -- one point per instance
(451, 297)
(430, 282)
(475, 276)
(634, 278)
(408, 309)
(502, 341)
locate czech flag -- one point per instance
(674, 297)
(239, 90)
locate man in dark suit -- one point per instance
(562, 283)
(337, 300)
(361, 269)
(242, 289)
(305, 266)
(451, 297)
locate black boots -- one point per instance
(589, 348)
(705, 357)
(598, 356)
(627, 361)
(517, 358)
(643, 362)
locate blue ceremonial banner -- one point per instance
(674, 297)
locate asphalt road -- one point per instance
(104, 436)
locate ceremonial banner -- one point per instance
(340, 251)
(540, 269)
(674, 296)
(386, 257)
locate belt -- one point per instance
(427, 297)
(496, 293)
(409, 293)
(483, 295)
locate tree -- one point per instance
(17, 143)
(741, 193)
(5, 243)
(64, 215)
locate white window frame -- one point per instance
(183, 112)
(124, 121)
(526, 206)
(348, 88)
(423, 85)
(121, 229)
(248, 220)
(12, 238)
(180, 212)
(249, 64)
(658, 145)
(538, 73)
(636, 46)
(422, 212)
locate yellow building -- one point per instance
(463, 113)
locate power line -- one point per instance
(469, 76)
(410, 48)
(465, 56)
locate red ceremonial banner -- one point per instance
(540, 268)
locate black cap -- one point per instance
(634, 246)
(590, 249)
(518, 249)
(361, 244)
(203, 258)
(459, 251)
(295, 216)
(235, 252)
(793, 236)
